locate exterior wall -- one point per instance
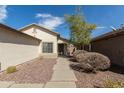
(61, 41)
(16, 48)
(45, 37)
(112, 47)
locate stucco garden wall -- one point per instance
(112, 47)
(16, 48)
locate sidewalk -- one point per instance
(63, 76)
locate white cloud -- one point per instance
(3, 12)
(49, 21)
(43, 15)
(100, 27)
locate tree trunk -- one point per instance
(83, 46)
(89, 47)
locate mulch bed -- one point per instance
(90, 80)
(35, 71)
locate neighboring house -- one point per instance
(19, 46)
(111, 45)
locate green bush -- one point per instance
(11, 69)
(113, 84)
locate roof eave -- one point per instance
(34, 24)
(12, 29)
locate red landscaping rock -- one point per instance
(35, 71)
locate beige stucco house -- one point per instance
(27, 43)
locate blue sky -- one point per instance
(52, 17)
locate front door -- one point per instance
(61, 49)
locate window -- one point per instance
(47, 47)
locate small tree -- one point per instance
(80, 30)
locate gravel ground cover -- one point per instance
(90, 80)
(35, 71)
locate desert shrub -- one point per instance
(87, 67)
(11, 69)
(81, 57)
(113, 84)
(78, 52)
(93, 60)
(99, 61)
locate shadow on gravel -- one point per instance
(72, 60)
(78, 68)
(117, 69)
(114, 68)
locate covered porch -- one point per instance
(62, 47)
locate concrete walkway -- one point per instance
(63, 76)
